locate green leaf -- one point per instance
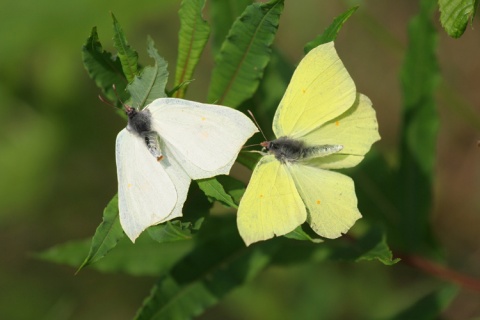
(150, 85)
(419, 78)
(215, 191)
(430, 306)
(107, 235)
(232, 186)
(128, 258)
(244, 54)
(455, 15)
(249, 159)
(369, 246)
(174, 231)
(376, 240)
(219, 263)
(299, 234)
(330, 34)
(223, 14)
(195, 209)
(128, 57)
(103, 68)
(192, 38)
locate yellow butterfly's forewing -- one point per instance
(271, 204)
(356, 130)
(329, 197)
(320, 90)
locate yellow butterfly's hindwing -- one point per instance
(329, 197)
(271, 205)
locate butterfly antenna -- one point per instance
(256, 123)
(116, 93)
(251, 145)
(104, 100)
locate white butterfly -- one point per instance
(164, 146)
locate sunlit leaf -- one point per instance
(215, 191)
(330, 34)
(150, 85)
(244, 54)
(128, 57)
(107, 235)
(455, 15)
(193, 37)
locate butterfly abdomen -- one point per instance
(290, 150)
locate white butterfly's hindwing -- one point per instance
(271, 205)
(146, 193)
(205, 139)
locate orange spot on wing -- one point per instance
(318, 201)
(261, 196)
(304, 90)
(337, 123)
(159, 158)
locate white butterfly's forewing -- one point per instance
(320, 90)
(205, 139)
(329, 197)
(146, 193)
(271, 205)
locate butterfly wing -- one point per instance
(146, 193)
(271, 204)
(356, 130)
(205, 139)
(320, 90)
(329, 197)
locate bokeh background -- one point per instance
(57, 169)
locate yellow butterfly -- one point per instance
(321, 123)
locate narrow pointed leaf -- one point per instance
(419, 77)
(150, 85)
(215, 191)
(330, 34)
(107, 235)
(224, 13)
(219, 263)
(128, 258)
(299, 234)
(455, 15)
(127, 56)
(192, 38)
(244, 54)
(103, 68)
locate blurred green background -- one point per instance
(57, 168)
